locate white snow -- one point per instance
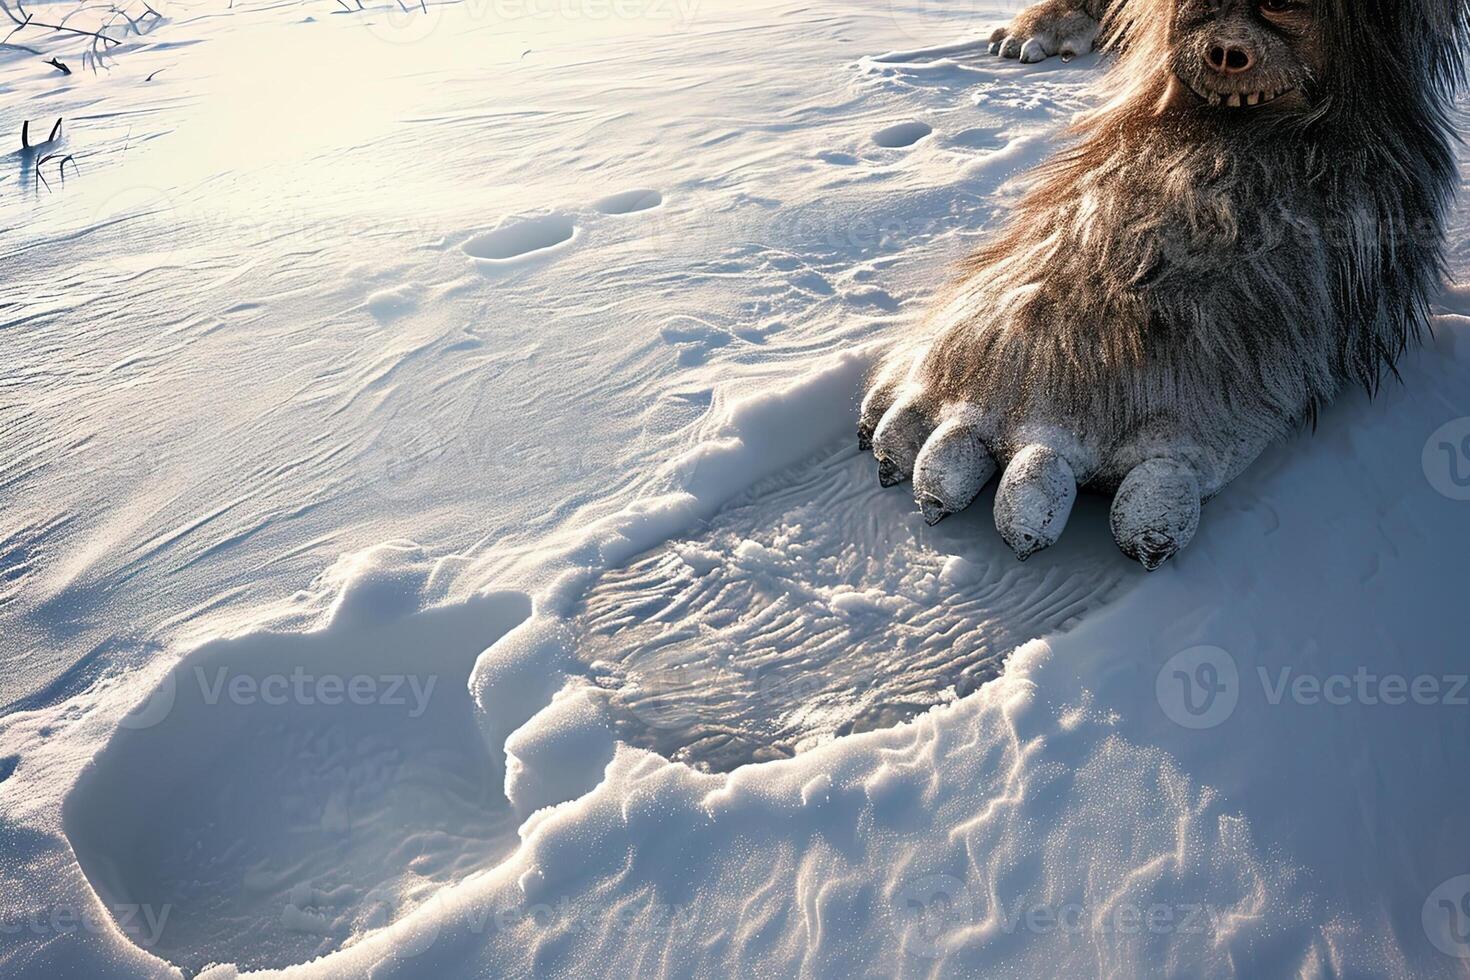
(433, 544)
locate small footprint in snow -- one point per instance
(392, 303)
(675, 410)
(515, 241)
(902, 134)
(979, 139)
(695, 339)
(628, 202)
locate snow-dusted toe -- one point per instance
(875, 404)
(1036, 49)
(899, 435)
(1034, 499)
(1156, 511)
(951, 470)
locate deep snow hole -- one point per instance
(242, 815)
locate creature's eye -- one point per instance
(1278, 7)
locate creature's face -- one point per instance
(1246, 55)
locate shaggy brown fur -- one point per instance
(1192, 278)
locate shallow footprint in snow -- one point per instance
(902, 134)
(816, 605)
(694, 338)
(517, 240)
(979, 139)
(629, 202)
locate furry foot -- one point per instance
(952, 450)
(1064, 27)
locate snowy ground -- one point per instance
(410, 420)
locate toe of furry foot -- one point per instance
(1156, 511)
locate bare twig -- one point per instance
(30, 21)
(59, 65)
(154, 72)
(18, 28)
(60, 167)
(25, 136)
(131, 23)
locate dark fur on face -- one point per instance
(1254, 219)
(1247, 55)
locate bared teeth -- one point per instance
(1238, 99)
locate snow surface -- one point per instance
(432, 541)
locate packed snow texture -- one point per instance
(433, 541)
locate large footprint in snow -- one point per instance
(283, 795)
(279, 795)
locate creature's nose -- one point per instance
(1229, 59)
